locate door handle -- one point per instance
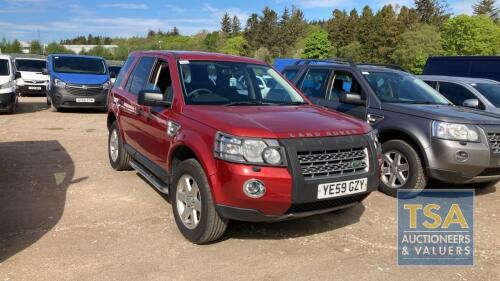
(120, 102)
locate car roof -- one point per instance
(456, 79)
(72, 55)
(23, 58)
(6, 57)
(361, 67)
(196, 55)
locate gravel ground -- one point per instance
(66, 215)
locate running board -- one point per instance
(157, 183)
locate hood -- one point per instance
(276, 121)
(4, 79)
(78, 78)
(36, 76)
(445, 113)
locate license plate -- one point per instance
(330, 190)
(87, 100)
(35, 88)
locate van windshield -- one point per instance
(30, 65)
(4, 67)
(490, 92)
(395, 87)
(81, 65)
(235, 83)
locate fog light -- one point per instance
(254, 188)
(462, 156)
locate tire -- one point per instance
(12, 108)
(121, 160)
(48, 101)
(409, 165)
(210, 226)
(484, 184)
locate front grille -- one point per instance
(494, 140)
(326, 204)
(84, 90)
(331, 163)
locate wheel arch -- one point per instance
(411, 139)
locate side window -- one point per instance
(160, 80)
(138, 78)
(344, 82)
(457, 94)
(315, 82)
(433, 84)
(124, 70)
(290, 74)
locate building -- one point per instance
(79, 48)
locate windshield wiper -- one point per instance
(237, 103)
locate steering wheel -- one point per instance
(198, 92)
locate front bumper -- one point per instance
(482, 164)
(67, 98)
(7, 100)
(34, 89)
(288, 194)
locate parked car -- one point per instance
(195, 131)
(77, 82)
(422, 134)
(32, 80)
(113, 72)
(8, 96)
(482, 94)
(487, 67)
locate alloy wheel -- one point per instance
(114, 145)
(396, 170)
(188, 201)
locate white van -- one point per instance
(32, 80)
(8, 96)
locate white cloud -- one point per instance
(127, 6)
(175, 8)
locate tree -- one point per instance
(466, 35)
(432, 11)
(366, 34)
(337, 28)
(408, 19)
(15, 47)
(236, 46)
(210, 41)
(263, 54)
(487, 8)
(100, 51)
(352, 51)
(54, 48)
(251, 31)
(291, 27)
(226, 24)
(36, 47)
(235, 26)
(414, 47)
(267, 28)
(386, 36)
(317, 45)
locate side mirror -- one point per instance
(152, 98)
(352, 98)
(17, 75)
(473, 103)
(112, 74)
(45, 71)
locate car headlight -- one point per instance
(20, 81)
(59, 83)
(247, 150)
(106, 85)
(454, 131)
(7, 85)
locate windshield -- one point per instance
(233, 83)
(30, 65)
(490, 92)
(4, 67)
(395, 87)
(79, 65)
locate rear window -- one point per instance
(30, 65)
(81, 65)
(4, 68)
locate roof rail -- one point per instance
(390, 66)
(330, 60)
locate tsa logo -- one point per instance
(435, 227)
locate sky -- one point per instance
(53, 20)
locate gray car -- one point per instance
(423, 135)
(483, 94)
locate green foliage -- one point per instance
(471, 35)
(36, 47)
(226, 24)
(352, 51)
(414, 47)
(13, 47)
(263, 54)
(54, 48)
(100, 51)
(317, 45)
(487, 8)
(236, 46)
(432, 12)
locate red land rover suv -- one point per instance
(228, 137)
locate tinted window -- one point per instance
(4, 67)
(433, 84)
(30, 65)
(344, 82)
(161, 81)
(123, 71)
(290, 74)
(82, 65)
(315, 82)
(491, 92)
(221, 82)
(457, 94)
(396, 87)
(138, 78)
